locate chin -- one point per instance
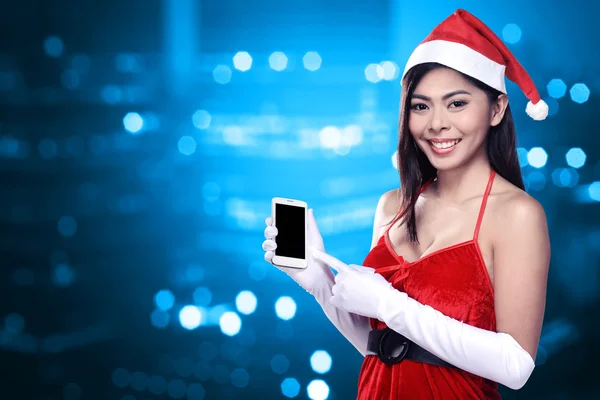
(445, 164)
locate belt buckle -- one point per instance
(391, 359)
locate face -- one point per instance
(450, 118)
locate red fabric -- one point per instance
(454, 281)
(463, 27)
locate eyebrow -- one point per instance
(446, 96)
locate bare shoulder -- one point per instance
(388, 205)
(514, 209)
(520, 206)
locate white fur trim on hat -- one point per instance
(461, 58)
(538, 111)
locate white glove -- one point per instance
(316, 273)
(318, 279)
(492, 355)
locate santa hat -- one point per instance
(466, 44)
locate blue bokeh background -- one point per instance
(142, 141)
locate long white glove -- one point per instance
(318, 279)
(492, 355)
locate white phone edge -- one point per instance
(289, 262)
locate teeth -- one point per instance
(444, 145)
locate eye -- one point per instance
(458, 103)
(418, 107)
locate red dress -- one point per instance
(453, 281)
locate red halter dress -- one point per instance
(454, 281)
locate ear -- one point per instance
(498, 109)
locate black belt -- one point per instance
(392, 347)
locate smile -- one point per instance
(443, 147)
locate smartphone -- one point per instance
(289, 217)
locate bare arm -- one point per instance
(355, 328)
(521, 262)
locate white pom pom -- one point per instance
(537, 111)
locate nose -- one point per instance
(439, 120)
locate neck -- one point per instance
(465, 182)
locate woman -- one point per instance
(450, 300)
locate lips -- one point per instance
(443, 146)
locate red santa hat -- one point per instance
(466, 44)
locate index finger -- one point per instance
(330, 260)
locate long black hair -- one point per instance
(414, 166)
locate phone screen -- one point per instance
(290, 225)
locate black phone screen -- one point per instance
(290, 224)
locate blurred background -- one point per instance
(141, 142)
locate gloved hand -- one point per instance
(317, 274)
(492, 355)
(318, 279)
(357, 289)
